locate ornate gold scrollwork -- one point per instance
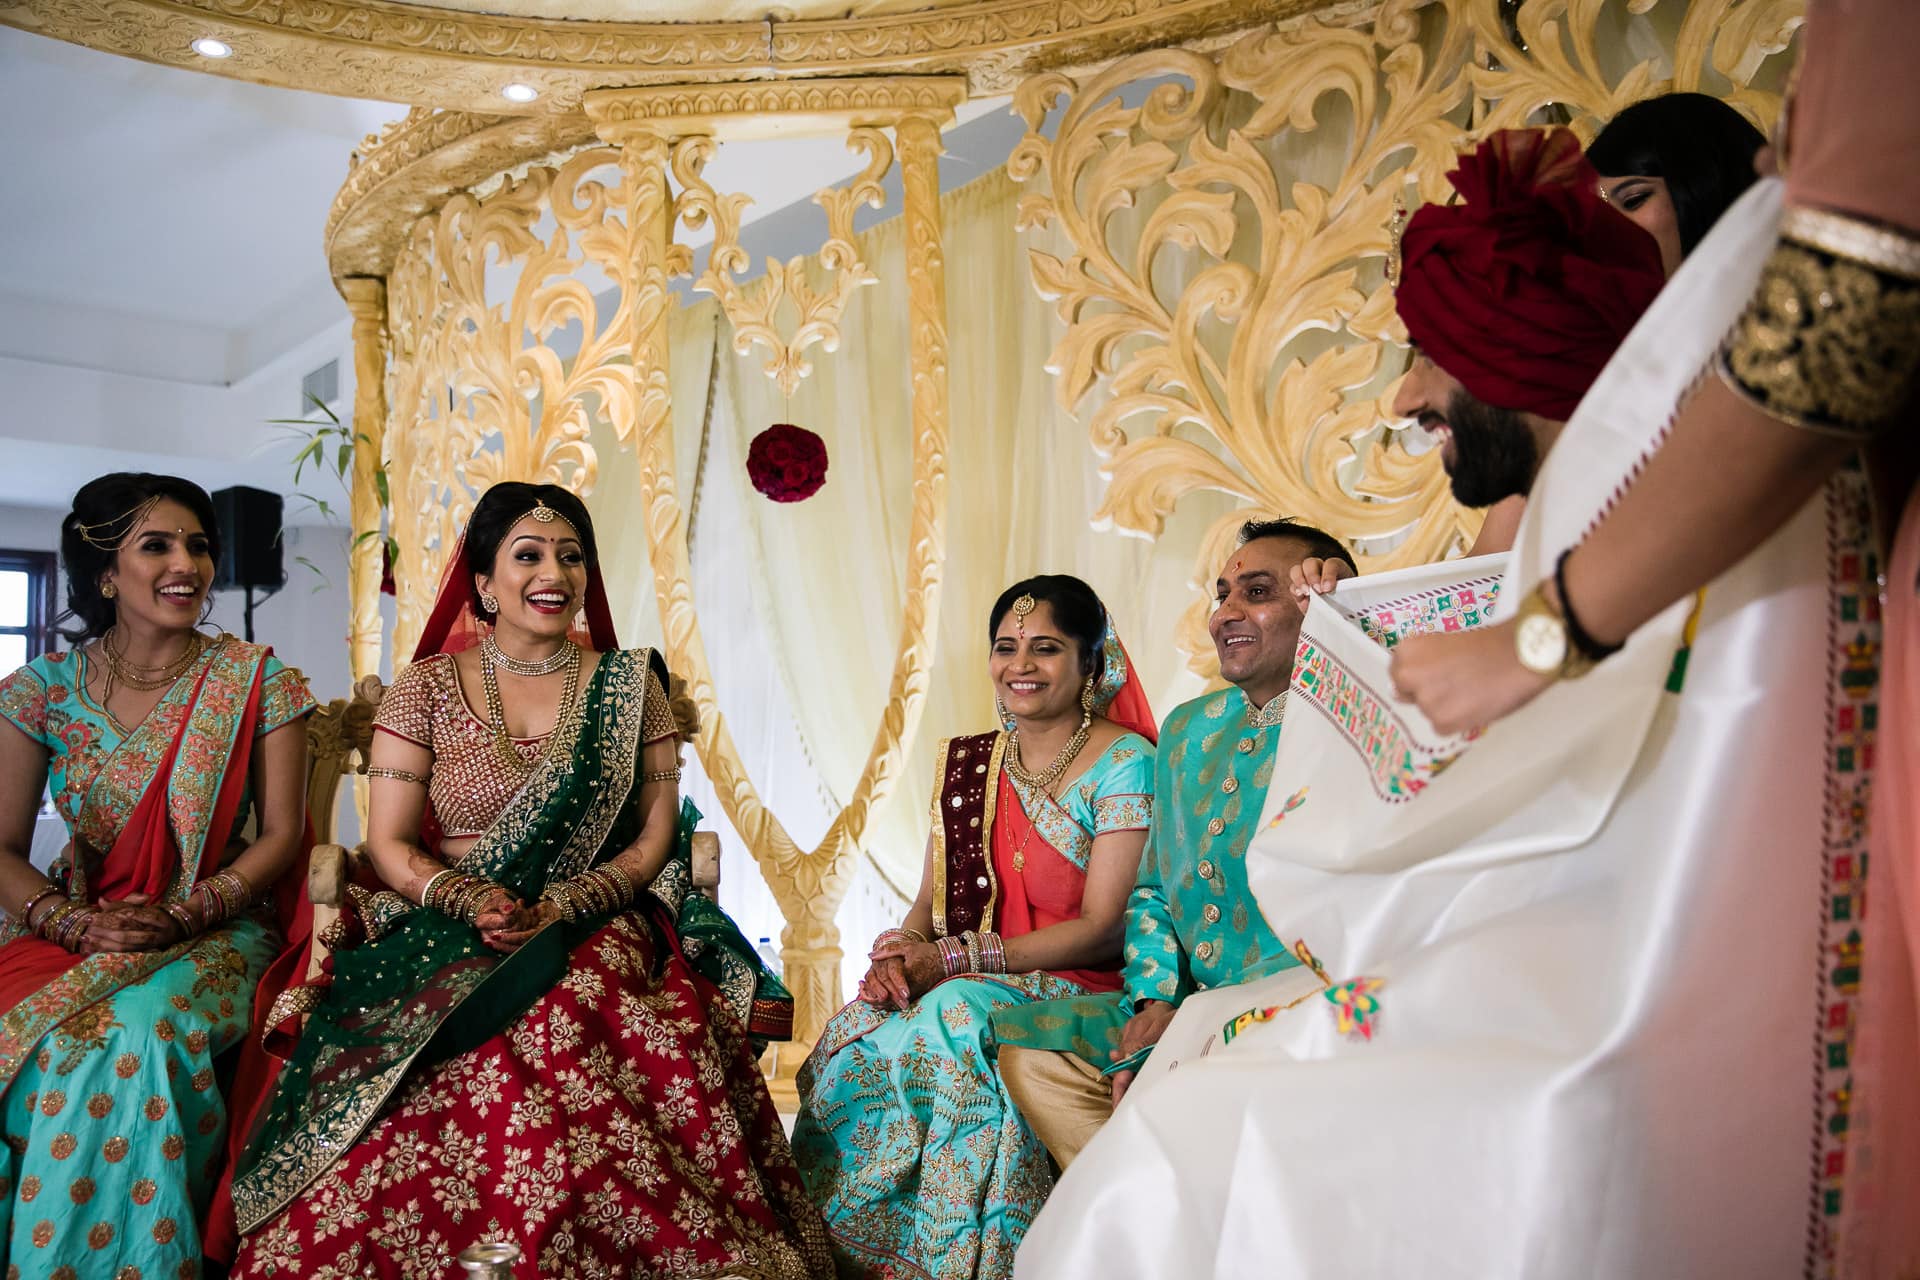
(1260, 180)
(755, 314)
(479, 394)
(809, 885)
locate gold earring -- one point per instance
(108, 591)
(1006, 720)
(489, 602)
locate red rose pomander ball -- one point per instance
(787, 463)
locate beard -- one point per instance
(1494, 455)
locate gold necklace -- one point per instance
(144, 678)
(1051, 774)
(567, 652)
(497, 716)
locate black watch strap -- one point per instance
(1584, 644)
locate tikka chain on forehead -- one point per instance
(107, 535)
(1021, 608)
(547, 515)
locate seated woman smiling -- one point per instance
(906, 1135)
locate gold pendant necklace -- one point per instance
(1051, 774)
(497, 717)
(144, 678)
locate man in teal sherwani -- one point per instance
(1192, 922)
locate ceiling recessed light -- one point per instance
(519, 93)
(208, 47)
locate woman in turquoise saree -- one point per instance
(906, 1136)
(138, 959)
(532, 1033)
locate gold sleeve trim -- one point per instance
(1831, 341)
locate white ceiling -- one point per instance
(189, 206)
(163, 283)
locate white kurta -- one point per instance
(1605, 1043)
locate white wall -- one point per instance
(29, 528)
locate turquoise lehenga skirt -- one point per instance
(115, 1128)
(909, 1142)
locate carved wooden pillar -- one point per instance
(367, 298)
(675, 129)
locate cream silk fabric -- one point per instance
(1599, 929)
(807, 597)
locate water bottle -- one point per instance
(769, 956)
(489, 1260)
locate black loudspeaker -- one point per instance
(249, 522)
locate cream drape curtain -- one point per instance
(800, 604)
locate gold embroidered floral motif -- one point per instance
(1828, 344)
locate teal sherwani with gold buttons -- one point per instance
(1192, 922)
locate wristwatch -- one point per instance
(1542, 641)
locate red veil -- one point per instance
(452, 625)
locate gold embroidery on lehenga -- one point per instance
(293, 1164)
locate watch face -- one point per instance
(1541, 643)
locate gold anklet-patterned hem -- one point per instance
(1831, 341)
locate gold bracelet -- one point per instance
(1831, 341)
(25, 917)
(661, 775)
(402, 775)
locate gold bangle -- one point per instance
(183, 916)
(26, 908)
(1831, 341)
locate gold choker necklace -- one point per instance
(567, 652)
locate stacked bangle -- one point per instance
(458, 895)
(599, 892)
(184, 917)
(988, 952)
(227, 894)
(26, 908)
(953, 956)
(66, 924)
(901, 934)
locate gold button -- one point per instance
(1206, 869)
(1204, 951)
(1211, 915)
(1215, 827)
(1246, 746)
(1230, 786)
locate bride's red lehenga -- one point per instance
(618, 1127)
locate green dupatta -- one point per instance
(406, 996)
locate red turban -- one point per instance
(1524, 288)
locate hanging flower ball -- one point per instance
(787, 463)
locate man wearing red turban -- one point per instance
(1515, 297)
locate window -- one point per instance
(26, 607)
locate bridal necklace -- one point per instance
(491, 659)
(567, 653)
